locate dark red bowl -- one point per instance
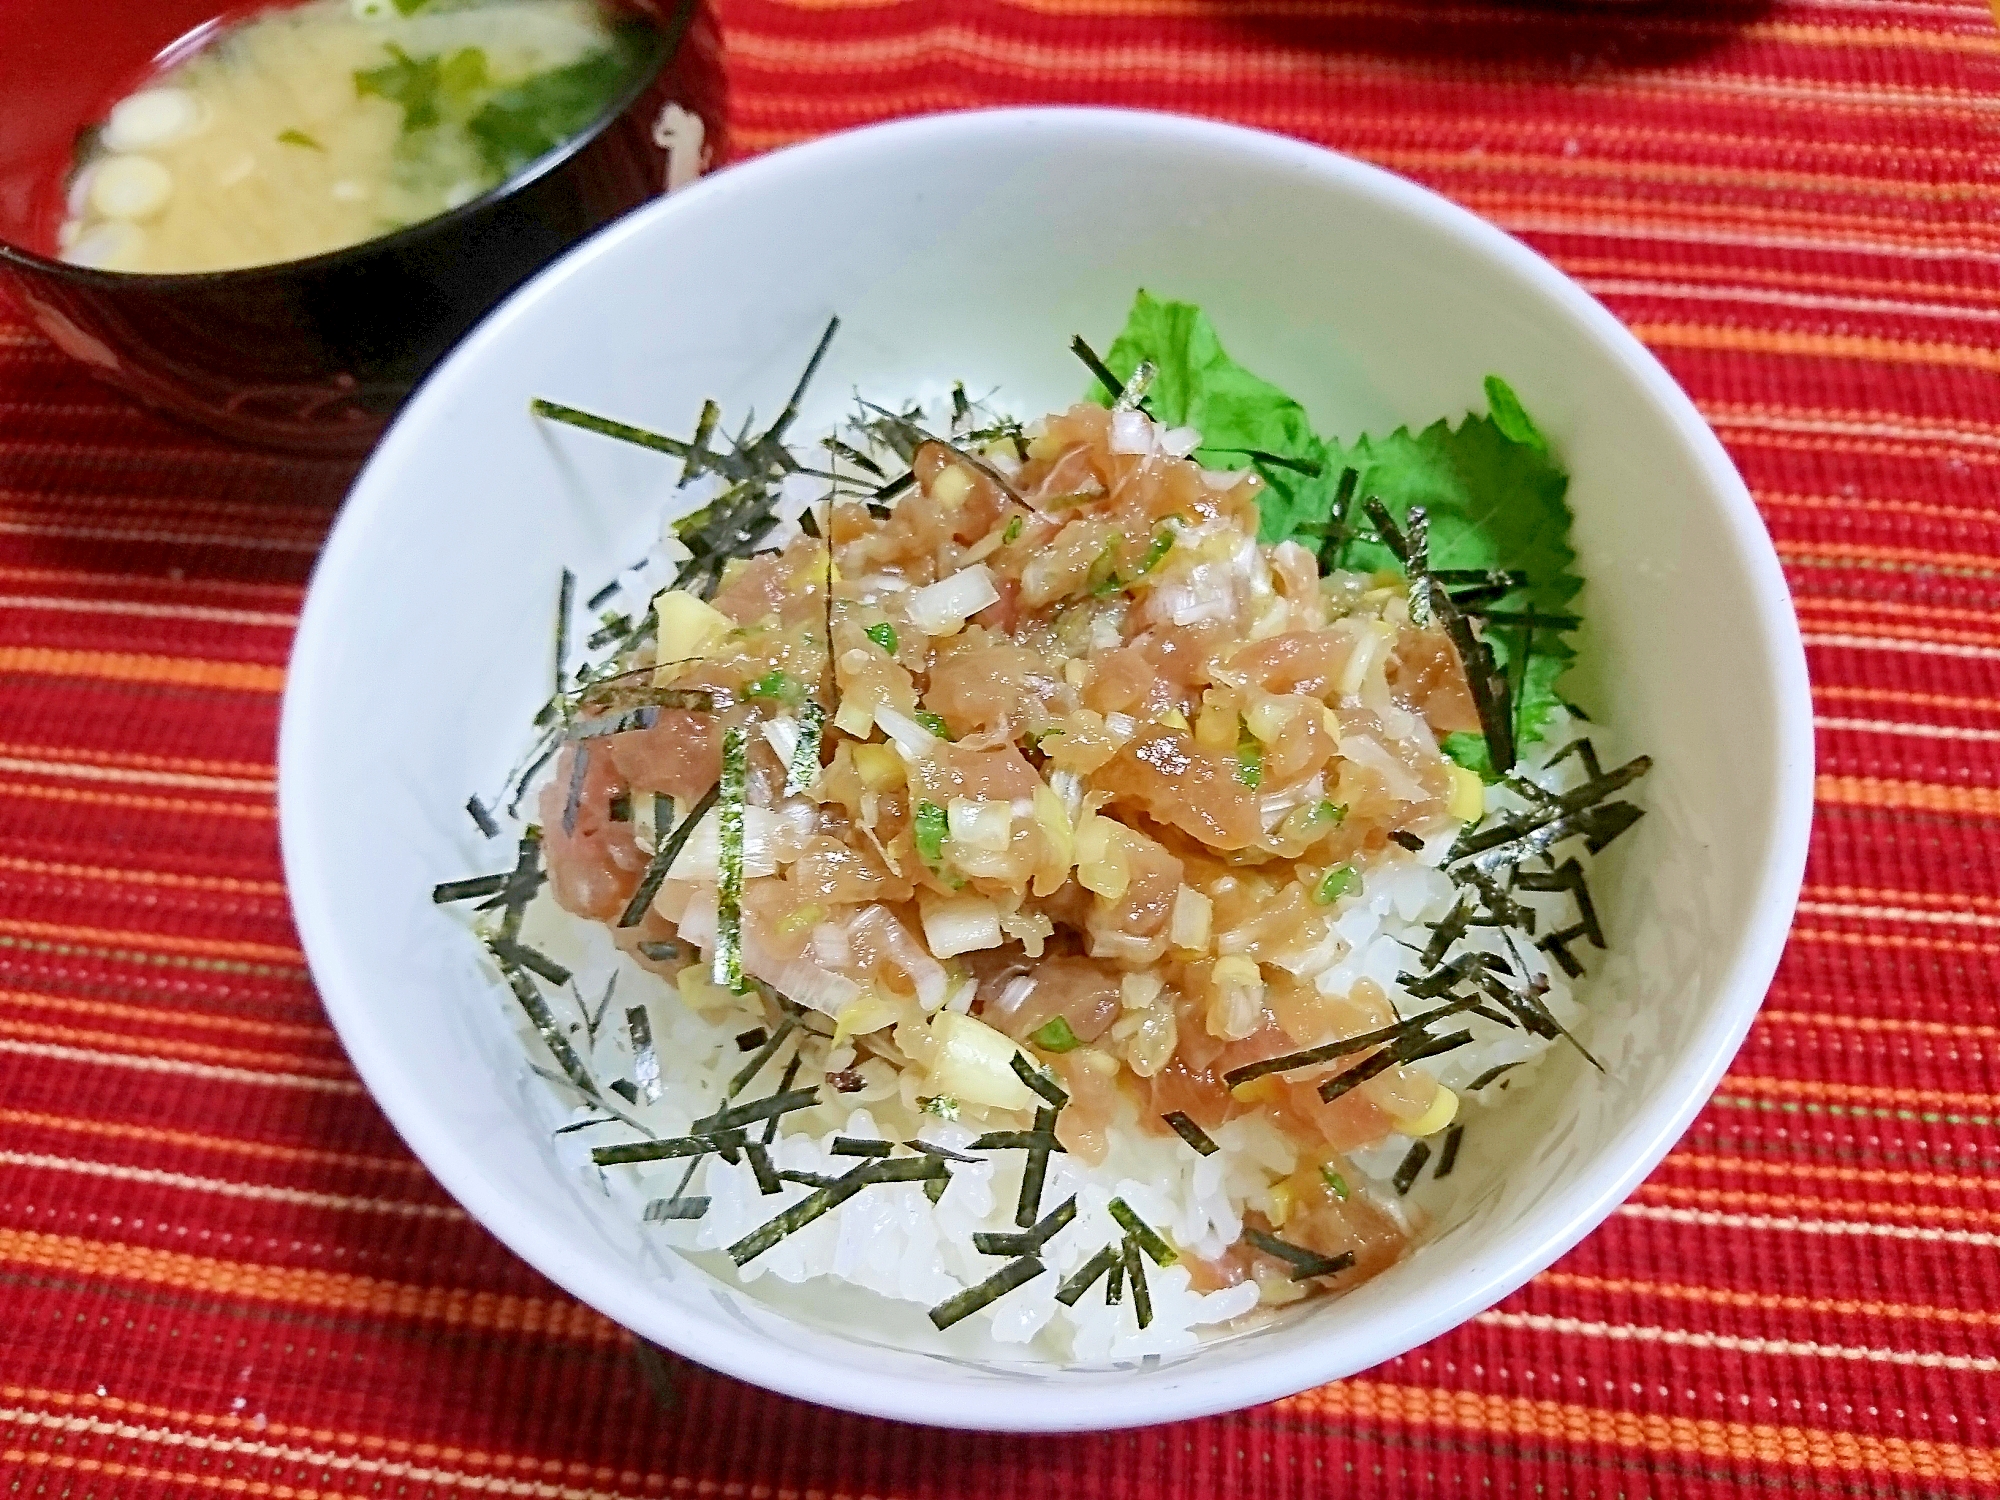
(310, 355)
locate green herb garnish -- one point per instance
(1013, 532)
(773, 684)
(1054, 1035)
(883, 634)
(943, 1106)
(933, 722)
(930, 826)
(532, 118)
(1336, 883)
(1334, 1181)
(298, 138)
(412, 83)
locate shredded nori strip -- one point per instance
(481, 818)
(660, 1210)
(1030, 1241)
(590, 1022)
(660, 952)
(847, 1145)
(767, 1050)
(621, 807)
(1106, 377)
(603, 596)
(1492, 1073)
(565, 602)
(1038, 1079)
(1147, 1238)
(545, 1025)
(1114, 1284)
(1190, 1132)
(790, 414)
(835, 1193)
(664, 857)
(510, 952)
(645, 1058)
(734, 1116)
(930, 1149)
(1017, 1140)
(579, 768)
(466, 890)
(727, 970)
(992, 1289)
(759, 1156)
(749, 1041)
(1305, 1263)
(804, 768)
(606, 427)
(1071, 1291)
(1413, 1163)
(1035, 1171)
(1360, 1042)
(1448, 1157)
(1134, 390)
(664, 1150)
(1135, 1275)
(625, 1089)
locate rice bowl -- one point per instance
(1519, 1200)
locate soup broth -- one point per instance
(314, 127)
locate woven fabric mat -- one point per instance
(222, 1271)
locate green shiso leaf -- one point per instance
(1239, 415)
(1494, 493)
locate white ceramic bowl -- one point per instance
(974, 246)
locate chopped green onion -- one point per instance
(1013, 532)
(1163, 543)
(933, 722)
(728, 968)
(1334, 1181)
(299, 138)
(1249, 761)
(773, 684)
(1138, 1231)
(883, 634)
(943, 1106)
(1336, 883)
(1330, 811)
(929, 826)
(1054, 1035)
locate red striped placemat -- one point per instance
(222, 1272)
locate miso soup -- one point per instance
(312, 127)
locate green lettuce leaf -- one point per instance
(1494, 493)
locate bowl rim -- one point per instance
(661, 42)
(1173, 1393)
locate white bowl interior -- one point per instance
(973, 247)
